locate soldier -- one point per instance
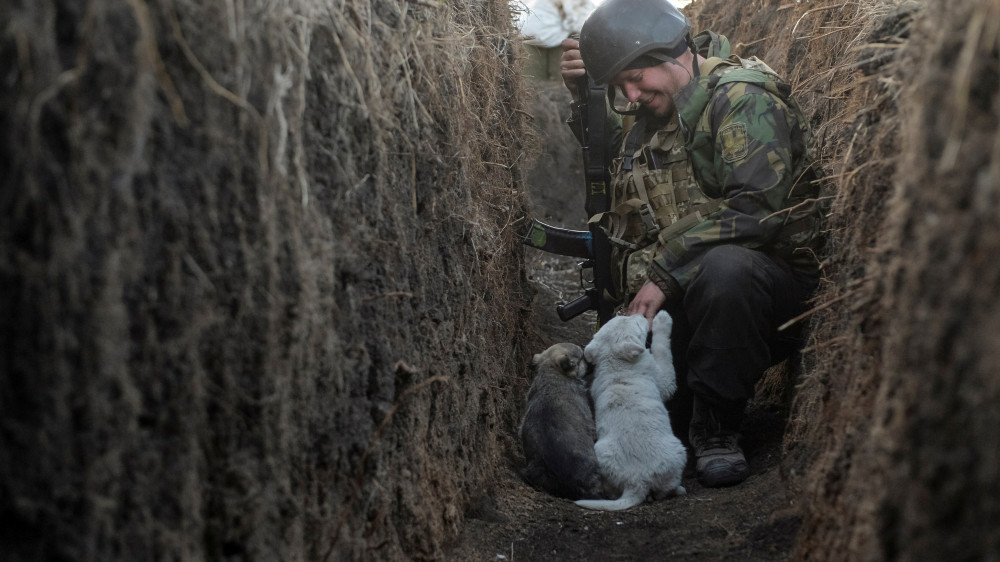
(713, 207)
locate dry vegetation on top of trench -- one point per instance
(263, 296)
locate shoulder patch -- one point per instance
(734, 142)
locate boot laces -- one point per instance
(716, 436)
(724, 440)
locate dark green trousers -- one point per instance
(725, 332)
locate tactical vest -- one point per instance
(654, 196)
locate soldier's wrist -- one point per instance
(672, 290)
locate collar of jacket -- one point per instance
(691, 100)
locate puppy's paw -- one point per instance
(662, 322)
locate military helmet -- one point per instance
(622, 32)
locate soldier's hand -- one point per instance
(571, 66)
(647, 301)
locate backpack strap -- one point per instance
(710, 44)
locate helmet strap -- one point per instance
(694, 60)
(611, 104)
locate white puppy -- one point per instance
(636, 448)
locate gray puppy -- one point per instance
(557, 430)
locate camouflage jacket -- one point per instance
(713, 197)
(748, 144)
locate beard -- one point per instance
(661, 105)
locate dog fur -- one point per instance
(636, 448)
(557, 430)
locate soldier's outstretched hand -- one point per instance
(647, 301)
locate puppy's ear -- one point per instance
(630, 351)
(536, 359)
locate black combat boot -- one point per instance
(720, 461)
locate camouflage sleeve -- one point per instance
(749, 166)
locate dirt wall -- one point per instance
(916, 479)
(262, 292)
(888, 442)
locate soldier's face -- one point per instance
(654, 86)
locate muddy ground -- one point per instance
(757, 520)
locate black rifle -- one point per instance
(592, 244)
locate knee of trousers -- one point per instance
(726, 272)
(727, 306)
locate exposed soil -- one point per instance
(255, 258)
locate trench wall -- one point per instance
(262, 293)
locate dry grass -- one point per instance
(904, 130)
(233, 222)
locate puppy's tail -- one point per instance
(630, 498)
